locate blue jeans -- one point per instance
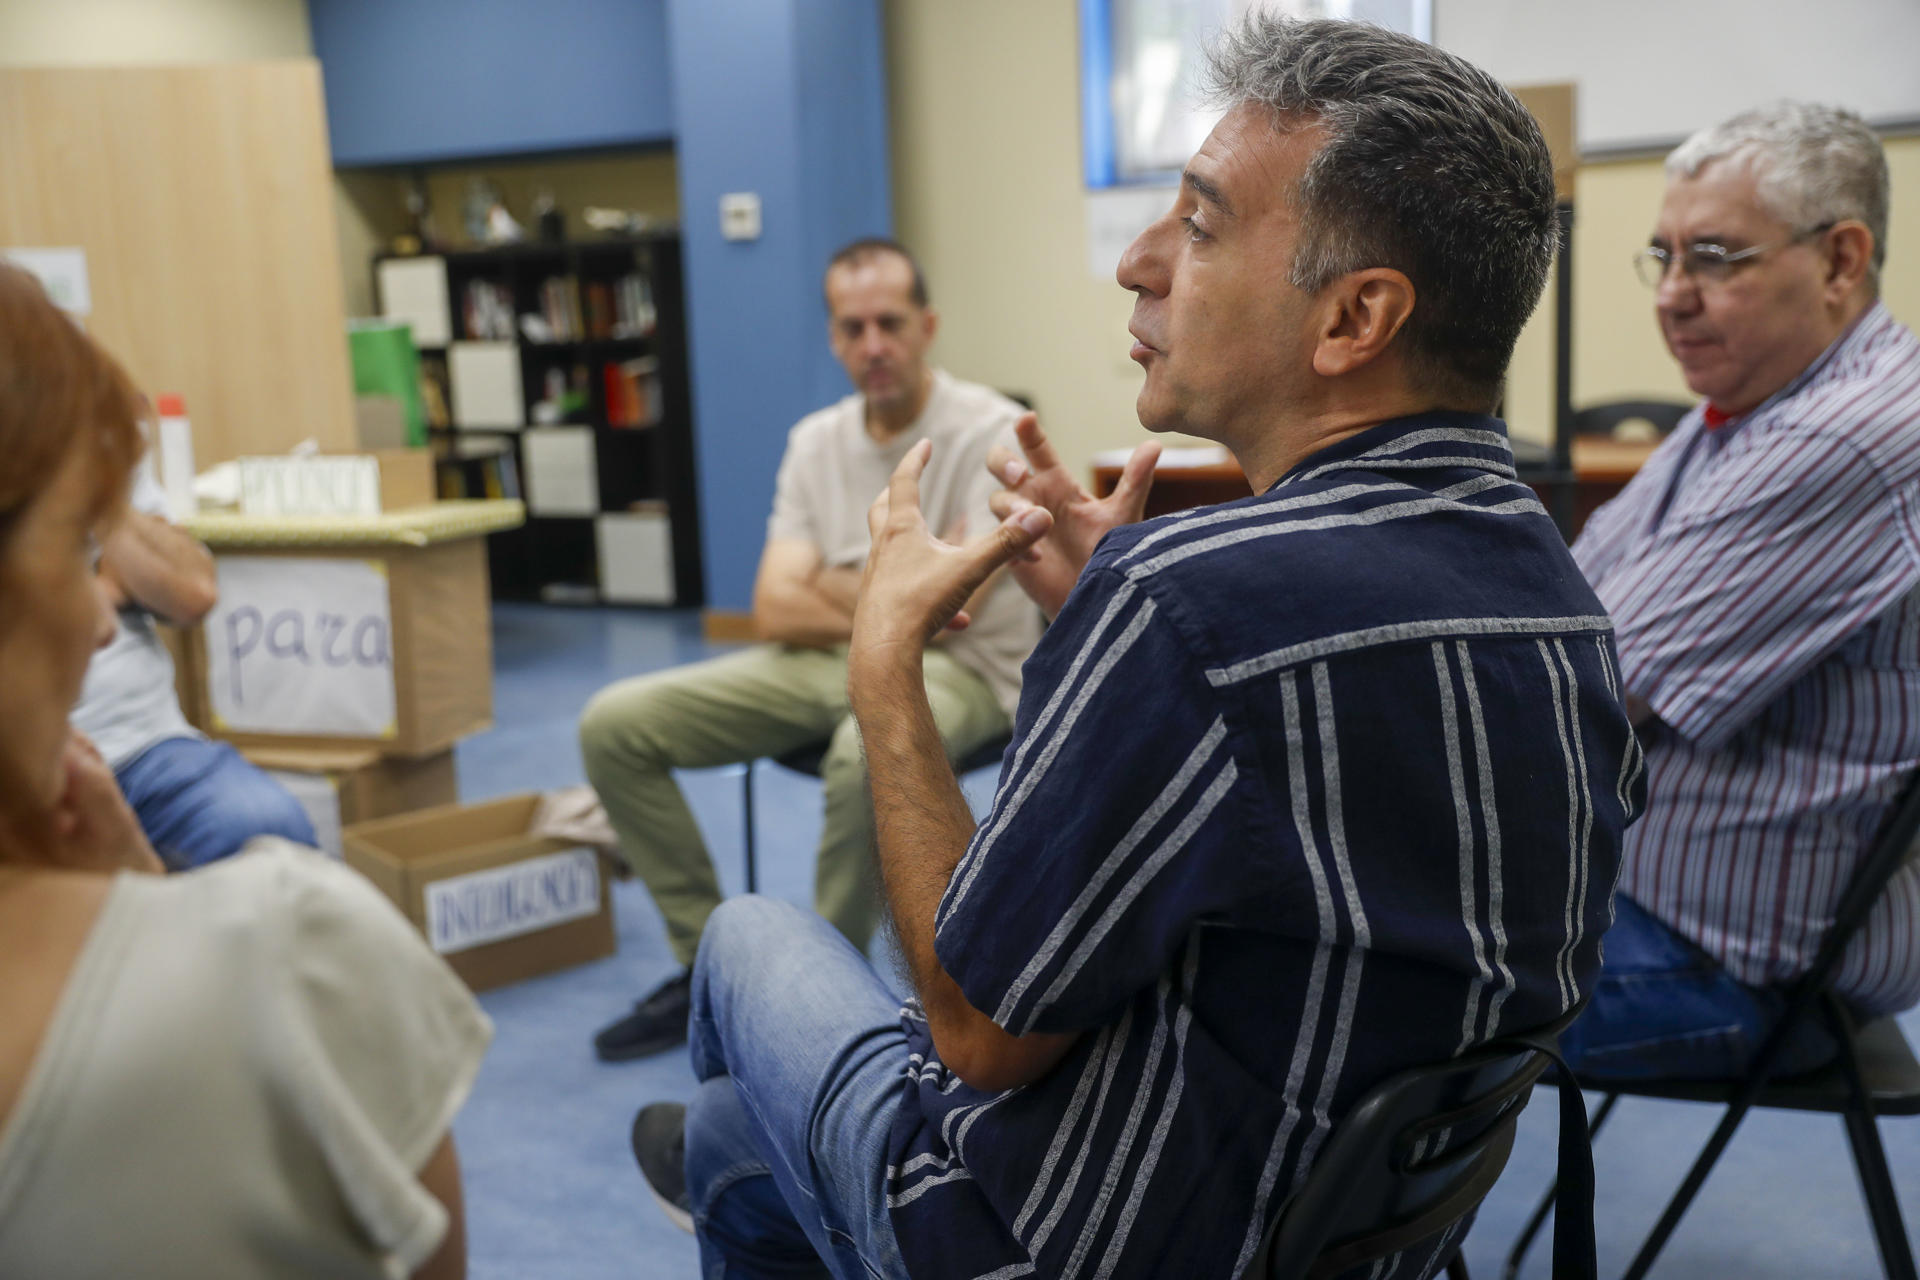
(199, 801)
(1664, 1009)
(801, 1055)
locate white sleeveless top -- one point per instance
(247, 1069)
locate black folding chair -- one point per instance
(1601, 419)
(1416, 1156)
(807, 760)
(1874, 1074)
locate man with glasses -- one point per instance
(1763, 573)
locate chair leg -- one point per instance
(1695, 1179)
(1869, 1156)
(1876, 1186)
(746, 822)
(1457, 1269)
(1518, 1254)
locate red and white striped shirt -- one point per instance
(1764, 582)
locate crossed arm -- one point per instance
(913, 586)
(164, 570)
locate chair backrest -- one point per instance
(1601, 419)
(1416, 1154)
(1895, 844)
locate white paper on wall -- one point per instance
(301, 646)
(319, 796)
(61, 272)
(1115, 217)
(506, 902)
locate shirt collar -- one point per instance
(1864, 328)
(1477, 436)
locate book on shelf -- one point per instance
(634, 313)
(560, 308)
(633, 392)
(487, 311)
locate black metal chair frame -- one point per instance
(1418, 1153)
(1601, 419)
(807, 759)
(1874, 1074)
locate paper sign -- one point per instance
(505, 902)
(319, 796)
(348, 485)
(1115, 217)
(301, 646)
(61, 272)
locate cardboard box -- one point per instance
(343, 484)
(344, 647)
(499, 903)
(341, 788)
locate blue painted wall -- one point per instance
(786, 98)
(434, 80)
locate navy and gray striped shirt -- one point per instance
(1308, 788)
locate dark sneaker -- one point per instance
(660, 1145)
(659, 1021)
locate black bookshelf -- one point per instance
(622, 373)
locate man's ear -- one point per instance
(1362, 313)
(932, 322)
(1849, 258)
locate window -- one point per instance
(1141, 60)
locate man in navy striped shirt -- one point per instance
(1306, 789)
(1763, 571)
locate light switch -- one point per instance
(740, 215)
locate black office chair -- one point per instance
(1416, 1156)
(807, 760)
(1874, 1074)
(1601, 419)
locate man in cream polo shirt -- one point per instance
(791, 690)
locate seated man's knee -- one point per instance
(747, 923)
(618, 725)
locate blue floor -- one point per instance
(552, 1193)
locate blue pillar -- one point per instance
(786, 99)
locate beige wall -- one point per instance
(371, 206)
(987, 188)
(92, 32)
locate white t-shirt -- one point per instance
(833, 470)
(128, 702)
(248, 1067)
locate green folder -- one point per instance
(385, 363)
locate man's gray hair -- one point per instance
(1811, 164)
(1430, 167)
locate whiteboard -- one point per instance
(1650, 72)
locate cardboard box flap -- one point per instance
(313, 759)
(415, 837)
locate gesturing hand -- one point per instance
(916, 584)
(1047, 572)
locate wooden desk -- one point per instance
(1603, 467)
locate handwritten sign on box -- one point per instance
(505, 902)
(301, 646)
